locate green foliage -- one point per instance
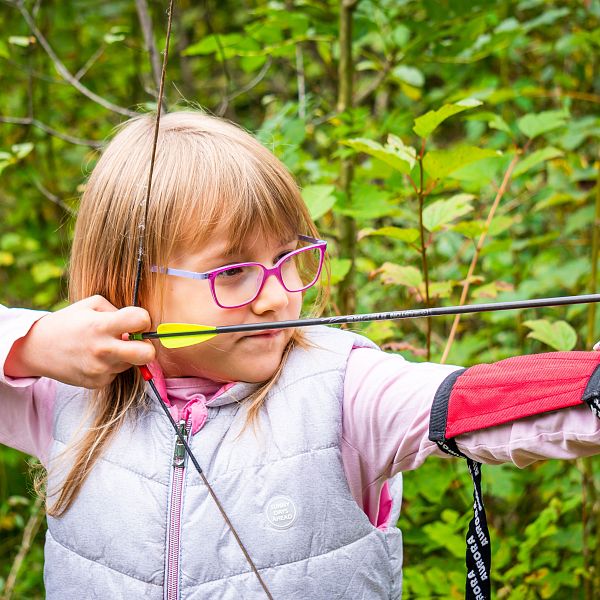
(559, 336)
(458, 107)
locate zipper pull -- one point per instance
(179, 454)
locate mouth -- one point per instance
(264, 335)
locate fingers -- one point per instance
(98, 303)
(83, 344)
(109, 350)
(129, 320)
(90, 336)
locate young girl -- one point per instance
(297, 431)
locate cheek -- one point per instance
(188, 301)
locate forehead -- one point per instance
(235, 234)
(220, 242)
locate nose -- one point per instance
(272, 297)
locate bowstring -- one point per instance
(140, 257)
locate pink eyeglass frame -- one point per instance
(275, 270)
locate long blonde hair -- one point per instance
(207, 172)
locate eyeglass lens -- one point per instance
(240, 284)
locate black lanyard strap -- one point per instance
(479, 547)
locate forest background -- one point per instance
(449, 152)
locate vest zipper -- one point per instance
(174, 531)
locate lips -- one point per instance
(264, 335)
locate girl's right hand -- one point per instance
(84, 344)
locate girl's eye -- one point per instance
(232, 272)
(282, 255)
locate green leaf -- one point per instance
(339, 268)
(497, 122)
(535, 158)
(440, 163)
(368, 202)
(394, 153)
(438, 289)
(21, 40)
(118, 33)
(439, 213)
(558, 335)
(210, 44)
(319, 199)
(396, 233)
(410, 75)
(481, 172)
(393, 274)
(428, 123)
(380, 331)
(21, 150)
(44, 271)
(533, 125)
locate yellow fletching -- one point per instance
(181, 341)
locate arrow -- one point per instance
(180, 335)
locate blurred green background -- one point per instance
(494, 195)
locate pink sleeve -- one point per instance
(385, 420)
(386, 407)
(26, 404)
(566, 434)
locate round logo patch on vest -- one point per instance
(280, 512)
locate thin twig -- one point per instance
(346, 295)
(590, 516)
(423, 248)
(53, 198)
(50, 131)
(300, 78)
(31, 528)
(376, 82)
(222, 108)
(254, 82)
(467, 281)
(146, 25)
(89, 62)
(63, 71)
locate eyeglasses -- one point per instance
(233, 286)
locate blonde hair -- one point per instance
(207, 172)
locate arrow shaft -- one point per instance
(386, 316)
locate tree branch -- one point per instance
(254, 82)
(33, 524)
(54, 198)
(465, 290)
(63, 71)
(50, 131)
(146, 25)
(377, 81)
(89, 62)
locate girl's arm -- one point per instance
(80, 345)
(84, 344)
(26, 404)
(386, 414)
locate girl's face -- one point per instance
(228, 357)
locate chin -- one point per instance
(260, 374)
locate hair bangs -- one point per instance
(244, 197)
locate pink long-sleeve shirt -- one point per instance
(386, 406)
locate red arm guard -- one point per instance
(491, 394)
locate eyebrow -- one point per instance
(221, 258)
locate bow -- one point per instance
(146, 374)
